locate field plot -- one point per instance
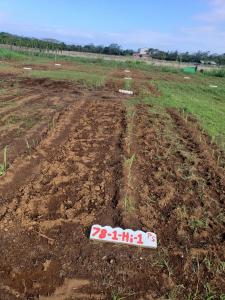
(81, 154)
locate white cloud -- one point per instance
(216, 13)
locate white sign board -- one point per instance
(127, 236)
(126, 92)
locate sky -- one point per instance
(189, 25)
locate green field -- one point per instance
(193, 96)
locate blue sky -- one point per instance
(165, 24)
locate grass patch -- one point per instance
(26, 121)
(127, 84)
(29, 122)
(6, 54)
(86, 79)
(117, 297)
(197, 98)
(196, 224)
(194, 96)
(13, 119)
(216, 73)
(7, 104)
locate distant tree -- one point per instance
(113, 49)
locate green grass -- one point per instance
(196, 224)
(197, 98)
(11, 55)
(216, 73)
(13, 119)
(86, 79)
(7, 104)
(28, 57)
(127, 84)
(194, 96)
(25, 121)
(117, 297)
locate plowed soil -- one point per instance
(75, 175)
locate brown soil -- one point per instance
(29, 108)
(76, 176)
(140, 84)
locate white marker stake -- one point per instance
(213, 86)
(126, 92)
(127, 71)
(58, 65)
(120, 236)
(26, 68)
(187, 77)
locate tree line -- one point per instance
(113, 49)
(197, 57)
(49, 45)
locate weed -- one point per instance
(163, 262)
(175, 292)
(209, 294)
(151, 199)
(13, 119)
(7, 103)
(167, 266)
(27, 144)
(182, 212)
(196, 224)
(129, 162)
(117, 297)
(221, 267)
(29, 147)
(29, 122)
(221, 218)
(4, 165)
(51, 123)
(208, 263)
(127, 84)
(144, 93)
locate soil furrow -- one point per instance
(78, 183)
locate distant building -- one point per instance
(142, 52)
